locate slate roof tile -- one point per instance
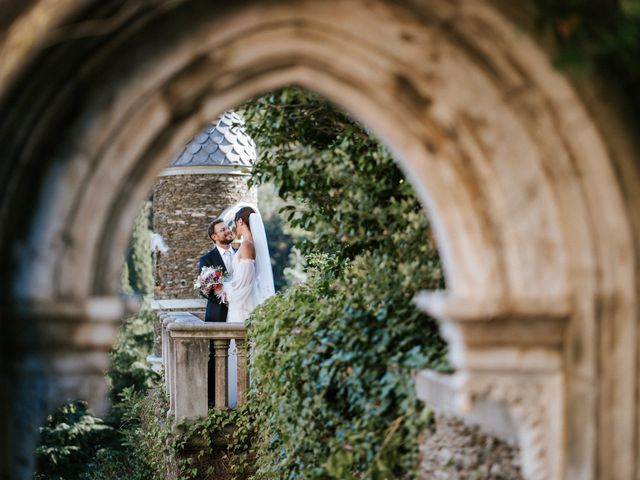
(223, 142)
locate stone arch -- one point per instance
(522, 183)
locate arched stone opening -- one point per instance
(520, 183)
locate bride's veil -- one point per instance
(229, 213)
(264, 273)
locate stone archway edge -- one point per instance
(88, 323)
(526, 335)
(519, 178)
(443, 305)
(506, 353)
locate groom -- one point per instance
(219, 256)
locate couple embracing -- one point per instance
(249, 268)
(249, 278)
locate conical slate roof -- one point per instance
(224, 142)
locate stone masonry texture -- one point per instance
(183, 207)
(452, 450)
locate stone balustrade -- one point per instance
(185, 355)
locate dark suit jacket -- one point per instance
(216, 309)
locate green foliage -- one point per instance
(345, 186)
(129, 365)
(235, 428)
(279, 248)
(69, 439)
(294, 116)
(125, 286)
(279, 234)
(597, 35)
(141, 454)
(342, 403)
(140, 258)
(333, 357)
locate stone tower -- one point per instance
(209, 174)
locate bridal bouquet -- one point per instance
(210, 278)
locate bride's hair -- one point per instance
(243, 214)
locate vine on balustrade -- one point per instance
(220, 444)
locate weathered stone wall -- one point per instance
(452, 450)
(183, 206)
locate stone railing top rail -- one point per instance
(200, 329)
(185, 324)
(178, 317)
(179, 304)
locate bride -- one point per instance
(252, 276)
(252, 280)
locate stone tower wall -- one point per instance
(183, 206)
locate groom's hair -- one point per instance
(212, 226)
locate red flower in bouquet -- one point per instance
(210, 278)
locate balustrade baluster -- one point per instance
(171, 378)
(221, 353)
(241, 347)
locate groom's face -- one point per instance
(222, 234)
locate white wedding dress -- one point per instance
(251, 284)
(242, 293)
(242, 297)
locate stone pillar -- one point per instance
(243, 373)
(53, 352)
(509, 353)
(221, 354)
(187, 366)
(175, 356)
(190, 378)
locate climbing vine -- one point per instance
(333, 356)
(218, 445)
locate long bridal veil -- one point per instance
(264, 273)
(264, 287)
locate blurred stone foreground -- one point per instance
(530, 178)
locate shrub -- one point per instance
(140, 258)
(141, 452)
(226, 444)
(334, 355)
(129, 366)
(332, 372)
(69, 439)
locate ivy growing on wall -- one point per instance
(333, 356)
